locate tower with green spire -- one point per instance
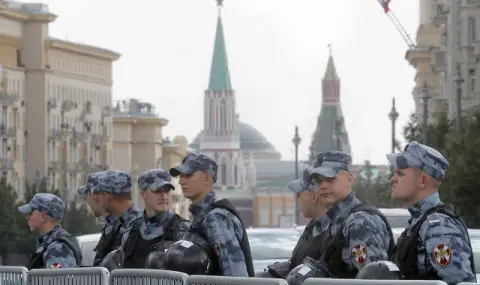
(220, 137)
(330, 133)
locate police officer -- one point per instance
(56, 247)
(159, 226)
(309, 243)
(214, 221)
(114, 190)
(435, 244)
(111, 226)
(357, 233)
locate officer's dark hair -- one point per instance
(126, 196)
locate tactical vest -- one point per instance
(406, 250)
(307, 246)
(198, 230)
(333, 245)
(137, 249)
(36, 261)
(117, 241)
(105, 244)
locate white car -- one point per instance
(87, 243)
(268, 245)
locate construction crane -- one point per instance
(401, 30)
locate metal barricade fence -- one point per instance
(321, 281)
(147, 276)
(13, 275)
(221, 280)
(69, 276)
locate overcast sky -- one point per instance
(277, 53)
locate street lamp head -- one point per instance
(296, 139)
(458, 78)
(393, 115)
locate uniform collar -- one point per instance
(130, 215)
(203, 205)
(48, 237)
(343, 207)
(422, 206)
(110, 219)
(158, 218)
(321, 223)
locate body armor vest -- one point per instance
(333, 245)
(105, 244)
(36, 261)
(307, 246)
(406, 250)
(137, 249)
(197, 229)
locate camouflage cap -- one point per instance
(329, 163)
(46, 203)
(155, 180)
(302, 184)
(420, 156)
(92, 181)
(113, 181)
(196, 161)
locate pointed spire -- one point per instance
(219, 72)
(331, 70)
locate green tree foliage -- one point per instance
(9, 229)
(462, 149)
(79, 221)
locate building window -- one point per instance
(264, 213)
(277, 212)
(211, 119)
(223, 115)
(223, 179)
(471, 30)
(471, 79)
(235, 174)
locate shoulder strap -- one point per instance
(172, 226)
(71, 242)
(371, 209)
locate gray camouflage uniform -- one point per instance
(58, 254)
(117, 182)
(306, 184)
(224, 231)
(363, 246)
(444, 242)
(153, 227)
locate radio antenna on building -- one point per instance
(398, 25)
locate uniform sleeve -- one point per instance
(224, 232)
(182, 228)
(367, 240)
(448, 248)
(59, 255)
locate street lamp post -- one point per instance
(296, 142)
(393, 115)
(425, 98)
(458, 81)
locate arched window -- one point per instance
(223, 114)
(211, 115)
(235, 174)
(223, 179)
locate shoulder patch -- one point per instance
(442, 254)
(359, 253)
(55, 266)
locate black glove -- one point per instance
(279, 269)
(320, 266)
